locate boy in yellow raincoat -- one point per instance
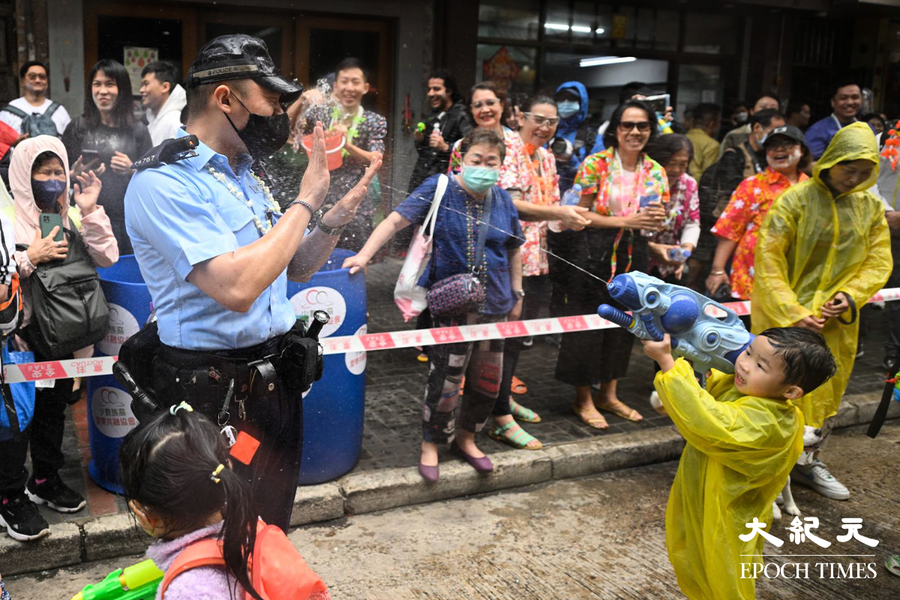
(743, 435)
(824, 249)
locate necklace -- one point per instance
(261, 227)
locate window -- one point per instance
(509, 19)
(711, 34)
(696, 84)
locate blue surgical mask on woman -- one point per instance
(46, 193)
(567, 108)
(480, 179)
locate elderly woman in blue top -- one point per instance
(216, 253)
(444, 416)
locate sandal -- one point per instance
(517, 439)
(598, 422)
(618, 408)
(523, 414)
(518, 386)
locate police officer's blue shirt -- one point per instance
(178, 216)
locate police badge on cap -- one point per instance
(240, 56)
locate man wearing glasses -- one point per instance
(34, 113)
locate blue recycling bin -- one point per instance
(109, 405)
(333, 410)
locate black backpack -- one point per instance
(36, 124)
(68, 308)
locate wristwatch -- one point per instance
(327, 230)
(519, 293)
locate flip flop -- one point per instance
(598, 422)
(517, 439)
(618, 408)
(518, 386)
(526, 415)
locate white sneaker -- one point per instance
(817, 477)
(657, 404)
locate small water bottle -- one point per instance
(570, 198)
(644, 203)
(679, 254)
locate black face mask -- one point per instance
(263, 136)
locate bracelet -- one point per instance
(717, 273)
(304, 204)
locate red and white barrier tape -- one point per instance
(102, 365)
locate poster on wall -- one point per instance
(501, 69)
(136, 58)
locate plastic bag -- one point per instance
(408, 295)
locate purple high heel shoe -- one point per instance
(482, 464)
(429, 473)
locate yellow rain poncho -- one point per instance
(812, 246)
(739, 452)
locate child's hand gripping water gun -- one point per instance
(137, 582)
(658, 308)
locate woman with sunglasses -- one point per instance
(537, 200)
(615, 184)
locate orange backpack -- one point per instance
(277, 571)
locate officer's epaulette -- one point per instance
(169, 151)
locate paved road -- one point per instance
(595, 538)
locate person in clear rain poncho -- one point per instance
(824, 249)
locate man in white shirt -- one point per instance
(33, 83)
(163, 98)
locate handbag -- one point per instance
(462, 293)
(409, 296)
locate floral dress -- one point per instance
(371, 129)
(619, 193)
(741, 220)
(682, 220)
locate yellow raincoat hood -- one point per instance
(812, 246)
(853, 142)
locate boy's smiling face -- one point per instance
(759, 371)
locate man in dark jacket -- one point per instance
(447, 123)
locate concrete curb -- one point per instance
(358, 493)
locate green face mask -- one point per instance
(480, 179)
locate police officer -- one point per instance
(216, 253)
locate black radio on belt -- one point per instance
(301, 361)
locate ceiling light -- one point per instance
(600, 61)
(581, 29)
(600, 30)
(556, 26)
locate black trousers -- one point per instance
(44, 436)
(274, 417)
(537, 295)
(592, 357)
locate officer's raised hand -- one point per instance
(87, 191)
(317, 178)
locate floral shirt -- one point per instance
(684, 212)
(618, 192)
(741, 220)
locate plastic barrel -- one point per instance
(334, 408)
(109, 405)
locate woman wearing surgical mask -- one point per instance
(446, 415)
(737, 229)
(39, 178)
(537, 199)
(108, 139)
(627, 193)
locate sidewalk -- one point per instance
(385, 476)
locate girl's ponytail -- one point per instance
(238, 529)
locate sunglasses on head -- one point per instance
(627, 126)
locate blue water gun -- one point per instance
(658, 308)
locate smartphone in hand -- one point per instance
(48, 222)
